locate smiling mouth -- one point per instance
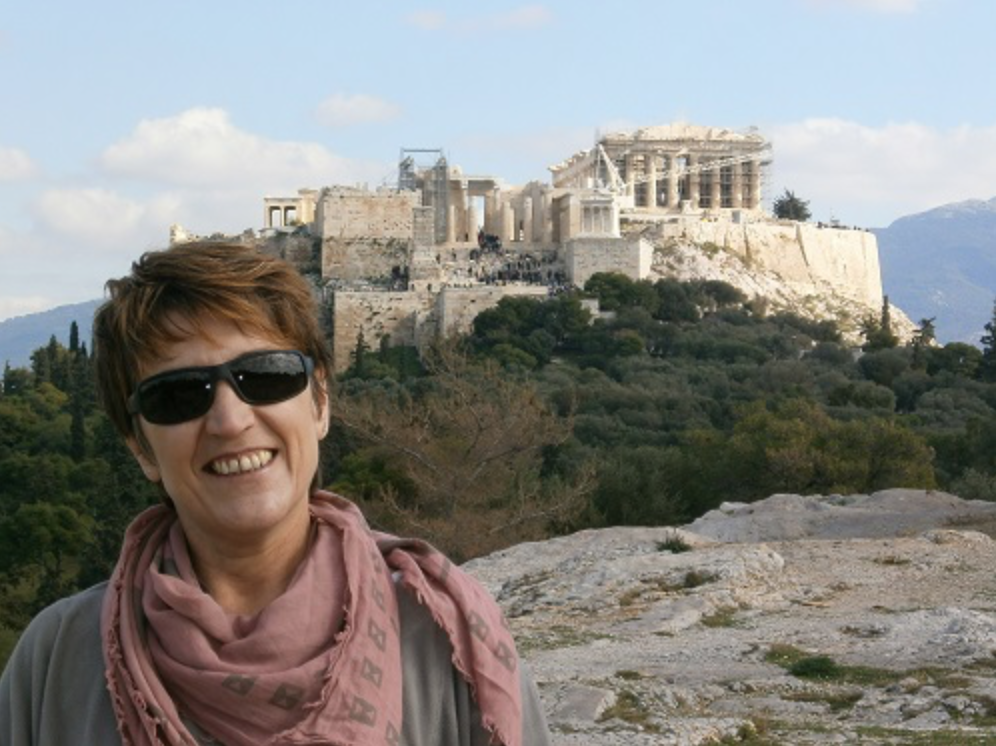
(247, 462)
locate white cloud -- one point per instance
(201, 148)
(523, 17)
(102, 218)
(196, 169)
(42, 271)
(528, 16)
(341, 110)
(11, 307)
(878, 6)
(870, 176)
(427, 20)
(15, 165)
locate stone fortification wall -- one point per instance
(457, 307)
(413, 317)
(586, 256)
(353, 259)
(806, 257)
(407, 317)
(365, 234)
(299, 248)
(357, 213)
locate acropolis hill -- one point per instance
(406, 264)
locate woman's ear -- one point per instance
(142, 452)
(321, 399)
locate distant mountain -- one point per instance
(22, 335)
(942, 264)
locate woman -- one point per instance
(251, 607)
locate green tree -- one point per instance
(74, 338)
(790, 207)
(957, 358)
(638, 487)
(674, 301)
(527, 332)
(923, 339)
(878, 333)
(40, 539)
(796, 447)
(616, 291)
(713, 295)
(883, 366)
(16, 380)
(987, 366)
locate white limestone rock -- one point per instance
(633, 644)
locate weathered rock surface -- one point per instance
(892, 596)
(800, 269)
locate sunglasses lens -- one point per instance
(270, 378)
(258, 378)
(184, 396)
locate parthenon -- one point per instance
(673, 167)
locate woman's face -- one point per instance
(240, 475)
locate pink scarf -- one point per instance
(320, 665)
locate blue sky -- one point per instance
(118, 119)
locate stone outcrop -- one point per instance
(890, 599)
(808, 258)
(817, 273)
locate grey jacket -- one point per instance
(52, 692)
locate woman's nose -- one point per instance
(228, 413)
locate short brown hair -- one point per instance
(259, 293)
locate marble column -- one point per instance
(693, 182)
(717, 181)
(471, 232)
(673, 200)
(738, 186)
(527, 219)
(630, 174)
(506, 226)
(651, 176)
(489, 213)
(450, 223)
(546, 217)
(464, 227)
(755, 185)
(570, 219)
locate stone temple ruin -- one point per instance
(406, 264)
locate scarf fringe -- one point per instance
(495, 728)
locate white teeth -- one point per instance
(243, 464)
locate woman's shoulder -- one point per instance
(75, 614)
(71, 623)
(49, 691)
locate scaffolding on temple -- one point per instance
(426, 169)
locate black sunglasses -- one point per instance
(265, 377)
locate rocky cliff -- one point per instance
(817, 272)
(794, 620)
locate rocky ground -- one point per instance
(860, 619)
(687, 261)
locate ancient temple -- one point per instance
(676, 167)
